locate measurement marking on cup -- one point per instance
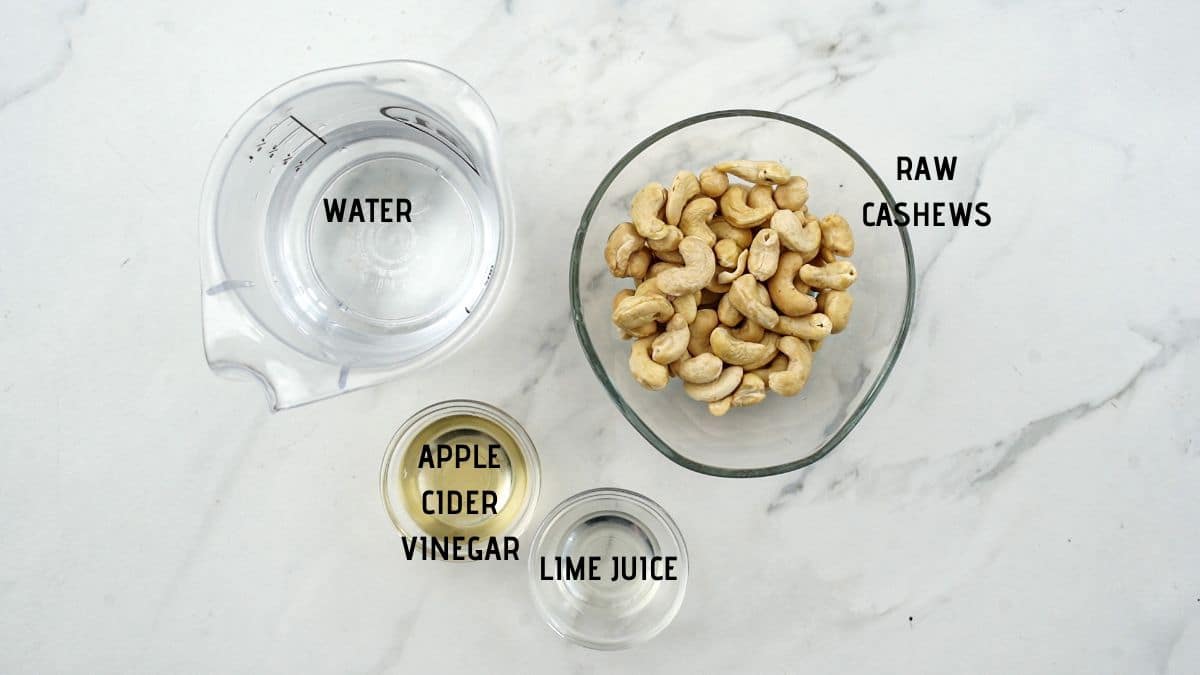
(293, 149)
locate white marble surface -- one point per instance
(1022, 498)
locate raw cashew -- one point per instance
(622, 244)
(812, 327)
(644, 211)
(792, 380)
(761, 196)
(719, 408)
(750, 392)
(744, 295)
(685, 306)
(683, 188)
(737, 212)
(635, 312)
(649, 374)
(749, 331)
(789, 299)
(737, 352)
(621, 295)
(727, 252)
(660, 267)
(648, 287)
(668, 242)
(836, 235)
(771, 342)
(713, 183)
(695, 219)
(836, 275)
(726, 382)
(836, 305)
(699, 267)
(700, 369)
(727, 314)
(727, 276)
(639, 263)
(777, 365)
(648, 329)
(792, 195)
(701, 328)
(764, 254)
(724, 230)
(795, 235)
(672, 344)
(765, 173)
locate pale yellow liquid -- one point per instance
(510, 481)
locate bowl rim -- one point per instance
(594, 360)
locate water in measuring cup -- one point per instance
(381, 236)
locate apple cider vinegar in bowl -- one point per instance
(459, 482)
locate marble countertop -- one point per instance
(1023, 497)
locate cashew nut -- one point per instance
(836, 275)
(672, 344)
(648, 287)
(683, 188)
(765, 173)
(668, 242)
(727, 314)
(804, 238)
(649, 374)
(695, 219)
(686, 306)
(660, 267)
(701, 328)
(737, 212)
(622, 243)
(727, 276)
(713, 183)
(636, 311)
(727, 252)
(699, 267)
(836, 235)
(726, 382)
(751, 391)
(777, 365)
(836, 305)
(644, 211)
(639, 263)
(719, 408)
(648, 329)
(764, 254)
(749, 331)
(737, 352)
(724, 230)
(792, 380)
(621, 295)
(700, 369)
(744, 295)
(762, 196)
(812, 327)
(789, 299)
(771, 342)
(792, 195)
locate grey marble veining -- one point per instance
(1020, 498)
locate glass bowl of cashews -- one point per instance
(728, 297)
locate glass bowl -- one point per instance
(606, 612)
(780, 434)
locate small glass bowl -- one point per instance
(522, 484)
(781, 434)
(607, 614)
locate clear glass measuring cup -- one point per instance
(355, 224)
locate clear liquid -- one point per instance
(379, 291)
(607, 534)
